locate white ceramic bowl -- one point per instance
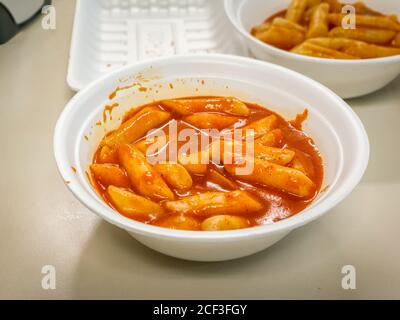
(348, 78)
(336, 130)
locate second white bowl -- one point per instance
(348, 78)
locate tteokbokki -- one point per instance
(331, 29)
(185, 191)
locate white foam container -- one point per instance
(109, 34)
(335, 128)
(347, 78)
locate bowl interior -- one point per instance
(253, 12)
(336, 131)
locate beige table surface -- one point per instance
(43, 224)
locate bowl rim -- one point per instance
(295, 56)
(285, 225)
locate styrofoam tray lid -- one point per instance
(108, 34)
